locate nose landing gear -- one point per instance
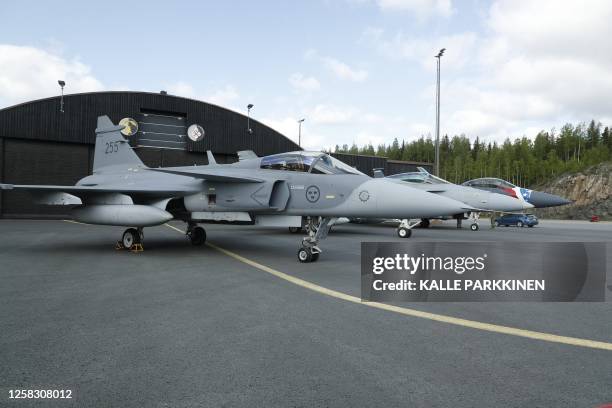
(404, 229)
(317, 228)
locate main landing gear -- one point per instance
(131, 239)
(404, 229)
(317, 228)
(473, 216)
(196, 234)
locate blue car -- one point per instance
(520, 220)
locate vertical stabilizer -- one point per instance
(111, 147)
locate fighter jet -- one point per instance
(536, 198)
(276, 190)
(480, 200)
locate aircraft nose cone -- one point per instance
(500, 202)
(542, 200)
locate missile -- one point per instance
(132, 215)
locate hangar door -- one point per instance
(37, 162)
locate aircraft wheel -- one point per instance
(197, 236)
(519, 224)
(295, 230)
(424, 223)
(404, 232)
(130, 237)
(474, 227)
(305, 255)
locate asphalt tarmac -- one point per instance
(181, 326)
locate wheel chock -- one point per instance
(137, 248)
(119, 246)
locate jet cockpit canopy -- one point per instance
(489, 182)
(307, 162)
(421, 176)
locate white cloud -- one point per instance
(460, 47)
(303, 83)
(331, 115)
(538, 64)
(225, 96)
(344, 71)
(181, 88)
(421, 8)
(28, 73)
(340, 69)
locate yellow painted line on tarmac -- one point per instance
(494, 328)
(75, 222)
(174, 228)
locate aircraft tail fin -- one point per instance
(111, 147)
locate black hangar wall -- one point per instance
(41, 145)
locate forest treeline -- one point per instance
(524, 161)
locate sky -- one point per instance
(358, 71)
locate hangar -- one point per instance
(50, 141)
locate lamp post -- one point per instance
(249, 107)
(62, 84)
(300, 131)
(440, 54)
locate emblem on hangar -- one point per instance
(130, 126)
(313, 193)
(364, 196)
(195, 133)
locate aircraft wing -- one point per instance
(65, 195)
(209, 174)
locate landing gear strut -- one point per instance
(196, 234)
(131, 239)
(404, 229)
(317, 229)
(475, 216)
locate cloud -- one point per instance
(344, 71)
(28, 73)
(225, 96)
(459, 52)
(537, 64)
(421, 8)
(331, 115)
(181, 88)
(340, 69)
(300, 82)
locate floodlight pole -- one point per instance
(437, 169)
(249, 107)
(300, 131)
(61, 84)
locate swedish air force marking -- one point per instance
(312, 194)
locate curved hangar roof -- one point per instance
(162, 121)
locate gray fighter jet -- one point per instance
(276, 190)
(480, 200)
(538, 199)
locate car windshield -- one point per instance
(307, 162)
